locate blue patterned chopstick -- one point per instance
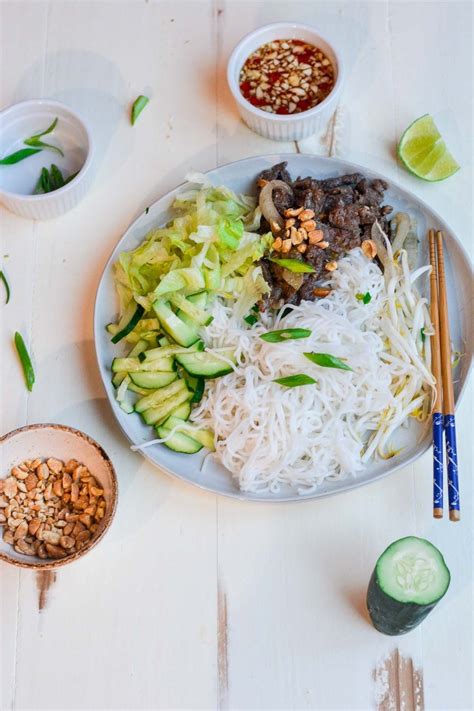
(452, 466)
(438, 464)
(448, 390)
(438, 401)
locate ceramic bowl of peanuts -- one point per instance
(58, 495)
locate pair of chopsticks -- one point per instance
(443, 411)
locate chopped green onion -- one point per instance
(19, 155)
(25, 360)
(6, 285)
(37, 143)
(293, 265)
(138, 106)
(422, 335)
(285, 334)
(366, 298)
(250, 319)
(326, 360)
(294, 381)
(147, 210)
(51, 179)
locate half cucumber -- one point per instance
(409, 580)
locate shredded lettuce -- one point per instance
(213, 239)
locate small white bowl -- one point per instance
(18, 181)
(293, 127)
(42, 441)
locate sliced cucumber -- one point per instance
(197, 315)
(409, 579)
(137, 349)
(157, 415)
(206, 365)
(115, 328)
(133, 365)
(182, 411)
(158, 396)
(163, 341)
(199, 299)
(172, 349)
(139, 391)
(196, 384)
(205, 437)
(154, 380)
(183, 333)
(179, 442)
(128, 327)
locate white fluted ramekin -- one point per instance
(292, 127)
(18, 181)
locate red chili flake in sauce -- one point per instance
(286, 77)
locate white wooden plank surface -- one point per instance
(194, 602)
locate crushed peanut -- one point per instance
(321, 292)
(50, 509)
(315, 236)
(330, 266)
(286, 77)
(369, 248)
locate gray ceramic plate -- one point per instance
(240, 177)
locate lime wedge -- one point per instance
(424, 153)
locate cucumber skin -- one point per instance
(390, 616)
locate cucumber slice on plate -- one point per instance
(205, 437)
(134, 365)
(409, 580)
(171, 350)
(128, 327)
(197, 315)
(139, 347)
(152, 380)
(199, 299)
(158, 414)
(206, 365)
(183, 333)
(182, 411)
(179, 442)
(156, 397)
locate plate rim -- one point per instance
(350, 483)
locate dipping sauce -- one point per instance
(286, 77)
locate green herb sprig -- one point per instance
(25, 361)
(36, 141)
(365, 298)
(137, 107)
(285, 334)
(6, 285)
(37, 147)
(326, 360)
(51, 179)
(19, 155)
(293, 265)
(294, 381)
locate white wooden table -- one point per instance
(193, 601)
